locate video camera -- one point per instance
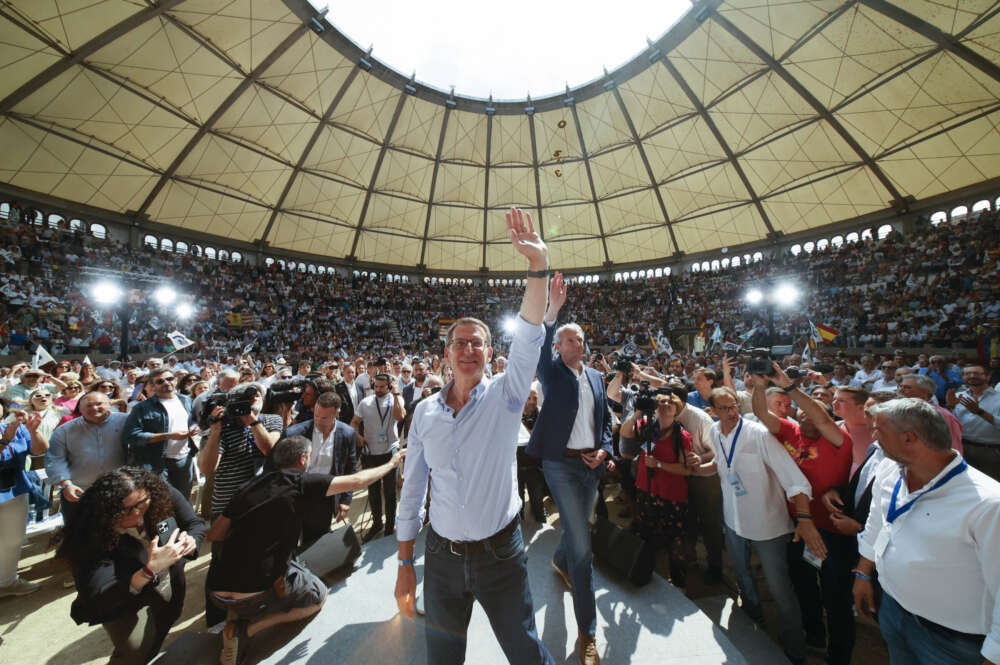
(287, 391)
(624, 364)
(237, 402)
(760, 363)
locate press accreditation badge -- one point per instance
(734, 480)
(383, 437)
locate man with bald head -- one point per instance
(84, 448)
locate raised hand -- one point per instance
(525, 240)
(557, 296)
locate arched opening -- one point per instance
(167, 245)
(237, 257)
(56, 220)
(695, 267)
(4, 210)
(758, 256)
(959, 212)
(223, 255)
(725, 263)
(822, 244)
(796, 249)
(268, 262)
(981, 205)
(746, 259)
(76, 225)
(837, 241)
(151, 241)
(705, 266)
(851, 237)
(196, 250)
(807, 248)
(659, 272)
(938, 217)
(634, 275)
(884, 230)
(210, 253)
(866, 234)
(715, 265)
(736, 261)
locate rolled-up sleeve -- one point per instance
(521, 363)
(875, 521)
(784, 467)
(986, 532)
(56, 464)
(410, 516)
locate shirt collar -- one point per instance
(442, 396)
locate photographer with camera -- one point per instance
(378, 414)
(652, 433)
(239, 440)
(817, 445)
(158, 432)
(257, 577)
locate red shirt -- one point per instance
(664, 484)
(825, 466)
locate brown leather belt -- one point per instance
(576, 452)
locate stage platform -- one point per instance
(360, 624)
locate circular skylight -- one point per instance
(510, 51)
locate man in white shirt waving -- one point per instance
(933, 534)
(757, 474)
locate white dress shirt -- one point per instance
(699, 424)
(979, 429)
(940, 560)
(321, 456)
(768, 474)
(177, 421)
(581, 437)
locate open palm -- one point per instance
(524, 238)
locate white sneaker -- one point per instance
(19, 588)
(420, 605)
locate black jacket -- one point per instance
(346, 405)
(860, 511)
(103, 583)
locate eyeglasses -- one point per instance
(74, 388)
(42, 396)
(106, 386)
(138, 506)
(461, 344)
(164, 379)
(723, 407)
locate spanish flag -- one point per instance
(826, 332)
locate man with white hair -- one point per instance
(573, 438)
(933, 535)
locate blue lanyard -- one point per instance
(732, 450)
(388, 409)
(895, 513)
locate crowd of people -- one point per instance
(813, 463)
(935, 286)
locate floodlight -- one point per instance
(165, 295)
(185, 310)
(107, 293)
(785, 295)
(509, 325)
(754, 296)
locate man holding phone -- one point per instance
(158, 432)
(379, 414)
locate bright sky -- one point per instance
(509, 49)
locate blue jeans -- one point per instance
(498, 579)
(180, 474)
(773, 555)
(573, 486)
(911, 643)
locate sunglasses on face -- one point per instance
(164, 379)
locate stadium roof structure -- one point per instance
(256, 121)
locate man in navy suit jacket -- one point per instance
(573, 438)
(334, 450)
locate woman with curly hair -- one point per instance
(661, 482)
(127, 546)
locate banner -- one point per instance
(826, 333)
(243, 320)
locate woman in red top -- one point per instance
(661, 479)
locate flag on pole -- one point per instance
(179, 340)
(652, 342)
(663, 343)
(86, 361)
(826, 333)
(717, 335)
(42, 357)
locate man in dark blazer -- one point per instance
(334, 451)
(573, 438)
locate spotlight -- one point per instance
(165, 295)
(107, 293)
(509, 325)
(754, 296)
(785, 295)
(185, 311)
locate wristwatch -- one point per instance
(658, 465)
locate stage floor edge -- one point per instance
(360, 624)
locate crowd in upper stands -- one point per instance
(938, 286)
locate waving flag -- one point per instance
(179, 340)
(42, 357)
